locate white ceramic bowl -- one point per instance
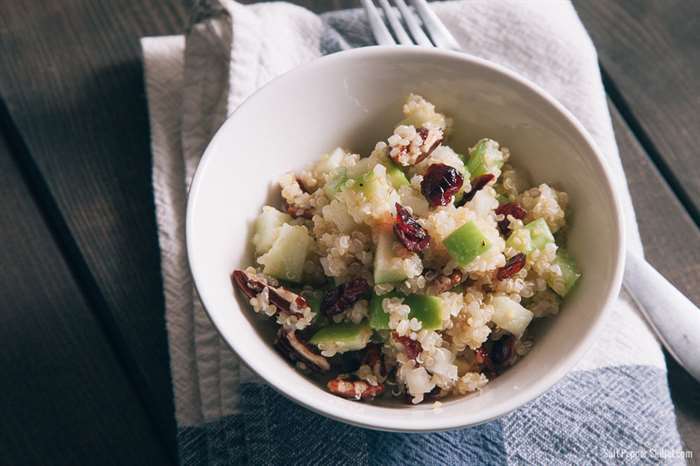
(353, 99)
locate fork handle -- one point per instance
(674, 318)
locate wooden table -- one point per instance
(83, 364)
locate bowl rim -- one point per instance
(423, 423)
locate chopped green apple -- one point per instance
(396, 176)
(343, 337)
(466, 243)
(337, 212)
(368, 183)
(336, 182)
(378, 319)
(388, 267)
(285, 259)
(535, 235)
(267, 228)
(485, 157)
(511, 316)
(427, 309)
(330, 162)
(562, 284)
(540, 234)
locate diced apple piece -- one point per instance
(396, 176)
(343, 337)
(511, 316)
(369, 184)
(535, 235)
(427, 309)
(562, 284)
(466, 243)
(388, 267)
(337, 212)
(336, 182)
(378, 319)
(485, 157)
(540, 234)
(285, 260)
(267, 228)
(330, 162)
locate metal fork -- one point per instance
(423, 17)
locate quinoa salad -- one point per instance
(414, 272)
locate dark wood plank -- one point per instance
(672, 245)
(71, 77)
(317, 6)
(65, 398)
(651, 52)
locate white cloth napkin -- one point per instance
(231, 50)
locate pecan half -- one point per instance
(414, 153)
(354, 389)
(443, 283)
(297, 351)
(247, 284)
(431, 140)
(283, 299)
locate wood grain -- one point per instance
(651, 52)
(317, 6)
(65, 399)
(672, 244)
(71, 77)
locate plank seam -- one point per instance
(649, 147)
(79, 271)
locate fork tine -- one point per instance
(413, 24)
(379, 29)
(395, 23)
(438, 32)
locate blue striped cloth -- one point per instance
(616, 415)
(614, 408)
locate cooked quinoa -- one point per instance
(413, 272)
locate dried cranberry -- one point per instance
(344, 296)
(440, 183)
(513, 209)
(483, 359)
(513, 266)
(502, 350)
(412, 348)
(409, 232)
(481, 356)
(478, 184)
